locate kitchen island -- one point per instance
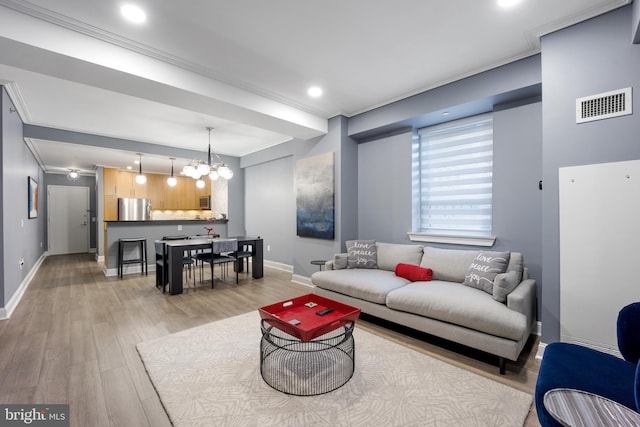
(151, 230)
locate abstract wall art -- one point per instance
(315, 197)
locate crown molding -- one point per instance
(13, 90)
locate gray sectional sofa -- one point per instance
(497, 318)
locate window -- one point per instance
(453, 178)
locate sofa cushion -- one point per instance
(460, 305)
(450, 265)
(391, 254)
(368, 284)
(516, 263)
(339, 261)
(484, 268)
(413, 273)
(503, 284)
(362, 254)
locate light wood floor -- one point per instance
(72, 339)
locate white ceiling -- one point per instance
(243, 66)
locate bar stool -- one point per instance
(143, 254)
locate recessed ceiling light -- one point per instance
(314, 91)
(507, 3)
(133, 13)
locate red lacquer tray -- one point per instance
(281, 314)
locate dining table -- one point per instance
(176, 248)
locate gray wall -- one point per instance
(270, 212)
(270, 207)
(236, 187)
(517, 200)
(83, 181)
(384, 189)
(22, 238)
(590, 58)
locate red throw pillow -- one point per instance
(414, 273)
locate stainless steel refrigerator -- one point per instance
(134, 209)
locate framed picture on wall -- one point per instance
(33, 198)
(315, 196)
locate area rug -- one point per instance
(210, 376)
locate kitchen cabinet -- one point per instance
(171, 194)
(184, 196)
(110, 178)
(129, 188)
(110, 190)
(110, 207)
(156, 186)
(205, 191)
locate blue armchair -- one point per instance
(573, 366)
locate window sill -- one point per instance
(453, 240)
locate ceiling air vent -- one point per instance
(603, 105)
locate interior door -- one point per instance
(68, 219)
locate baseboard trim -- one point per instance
(540, 352)
(128, 269)
(7, 310)
(278, 266)
(302, 280)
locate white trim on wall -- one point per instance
(278, 266)
(540, 351)
(452, 240)
(302, 280)
(7, 310)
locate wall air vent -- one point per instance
(603, 105)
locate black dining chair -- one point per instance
(223, 259)
(241, 255)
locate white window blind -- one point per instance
(455, 177)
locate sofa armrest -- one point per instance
(523, 300)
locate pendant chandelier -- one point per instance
(172, 181)
(140, 178)
(199, 169)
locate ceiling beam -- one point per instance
(42, 47)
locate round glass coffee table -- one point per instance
(306, 368)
